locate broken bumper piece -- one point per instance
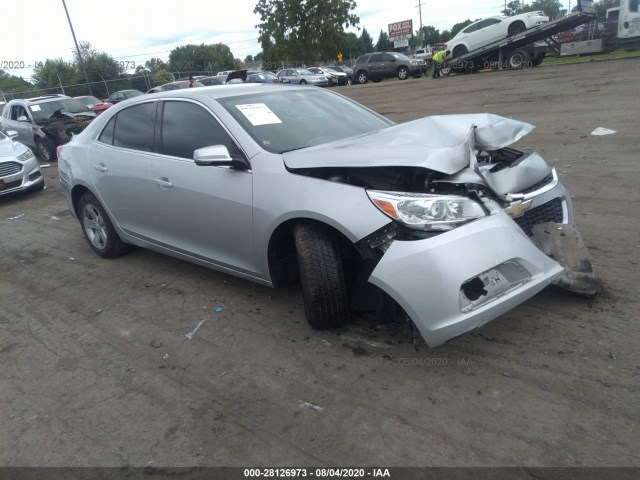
(462, 279)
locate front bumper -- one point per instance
(18, 176)
(430, 278)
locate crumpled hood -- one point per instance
(9, 148)
(442, 143)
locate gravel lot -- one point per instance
(96, 369)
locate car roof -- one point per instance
(229, 90)
(44, 98)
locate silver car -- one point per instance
(427, 220)
(302, 76)
(19, 168)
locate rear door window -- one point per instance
(134, 127)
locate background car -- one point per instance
(377, 66)
(95, 104)
(580, 33)
(492, 29)
(19, 168)
(214, 80)
(348, 70)
(44, 123)
(167, 87)
(302, 76)
(262, 77)
(334, 76)
(121, 95)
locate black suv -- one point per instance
(45, 122)
(379, 65)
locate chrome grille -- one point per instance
(547, 212)
(537, 186)
(9, 168)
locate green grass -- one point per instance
(591, 57)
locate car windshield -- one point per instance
(400, 56)
(329, 69)
(88, 100)
(59, 108)
(295, 119)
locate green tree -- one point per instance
(384, 44)
(52, 73)
(162, 76)
(367, 41)
(189, 59)
(101, 68)
(603, 5)
(11, 85)
(514, 8)
(351, 47)
(550, 7)
(303, 31)
(430, 35)
(248, 59)
(445, 36)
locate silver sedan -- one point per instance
(19, 168)
(302, 76)
(428, 220)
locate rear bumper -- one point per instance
(432, 279)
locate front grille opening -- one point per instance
(547, 212)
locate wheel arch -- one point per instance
(281, 250)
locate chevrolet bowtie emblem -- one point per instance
(517, 209)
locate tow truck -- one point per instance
(526, 49)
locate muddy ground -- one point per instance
(95, 368)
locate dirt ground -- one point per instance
(95, 368)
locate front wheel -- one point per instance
(349, 81)
(45, 149)
(324, 289)
(403, 73)
(98, 229)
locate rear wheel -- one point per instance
(516, 28)
(45, 149)
(519, 59)
(403, 73)
(303, 82)
(98, 229)
(349, 81)
(322, 276)
(363, 77)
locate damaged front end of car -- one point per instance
(60, 130)
(462, 246)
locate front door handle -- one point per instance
(100, 167)
(164, 182)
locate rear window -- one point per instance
(134, 127)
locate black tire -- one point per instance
(537, 60)
(362, 77)
(45, 149)
(403, 73)
(303, 82)
(324, 289)
(98, 229)
(349, 82)
(519, 59)
(459, 51)
(516, 28)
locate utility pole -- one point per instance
(60, 83)
(84, 72)
(421, 32)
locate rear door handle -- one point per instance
(164, 182)
(100, 167)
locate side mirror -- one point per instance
(22, 118)
(12, 134)
(216, 156)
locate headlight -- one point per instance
(423, 211)
(26, 155)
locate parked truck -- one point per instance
(622, 31)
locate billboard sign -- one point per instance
(400, 29)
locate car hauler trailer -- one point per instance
(526, 49)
